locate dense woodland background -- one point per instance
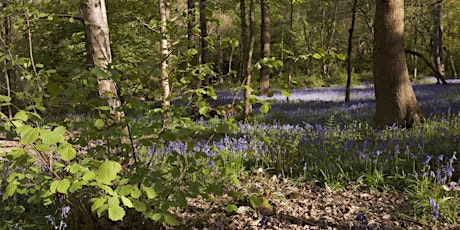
(130, 131)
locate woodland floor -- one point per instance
(308, 206)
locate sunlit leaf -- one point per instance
(107, 172)
(116, 213)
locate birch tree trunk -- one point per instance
(98, 49)
(395, 99)
(163, 11)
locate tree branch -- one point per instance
(428, 63)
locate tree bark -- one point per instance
(437, 39)
(191, 7)
(204, 36)
(250, 50)
(395, 99)
(98, 49)
(163, 12)
(350, 48)
(265, 46)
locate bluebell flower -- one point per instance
(434, 209)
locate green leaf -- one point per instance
(97, 203)
(50, 137)
(76, 185)
(10, 189)
(28, 135)
(341, 57)
(285, 93)
(116, 213)
(100, 73)
(99, 123)
(21, 115)
(231, 208)
(136, 193)
(150, 193)
(139, 206)
(89, 175)
(53, 186)
(107, 172)
(171, 220)
(256, 201)
(67, 152)
(317, 56)
(265, 107)
(126, 202)
(63, 186)
(156, 216)
(113, 201)
(125, 190)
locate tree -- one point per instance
(248, 57)
(350, 48)
(163, 12)
(98, 49)
(265, 46)
(437, 39)
(395, 99)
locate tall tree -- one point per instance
(204, 35)
(437, 39)
(350, 48)
(250, 50)
(98, 49)
(265, 46)
(163, 12)
(191, 8)
(395, 99)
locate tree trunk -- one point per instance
(437, 40)
(395, 99)
(244, 42)
(98, 49)
(191, 7)
(350, 48)
(291, 28)
(5, 37)
(204, 36)
(163, 11)
(252, 38)
(265, 46)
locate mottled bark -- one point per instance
(252, 37)
(163, 12)
(395, 99)
(265, 46)
(98, 49)
(437, 40)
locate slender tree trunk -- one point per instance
(265, 46)
(98, 49)
(395, 99)
(252, 38)
(163, 11)
(191, 8)
(437, 39)
(5, 40)
(204, 36)
(244, 41)
(291, 28)
(350, 48)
